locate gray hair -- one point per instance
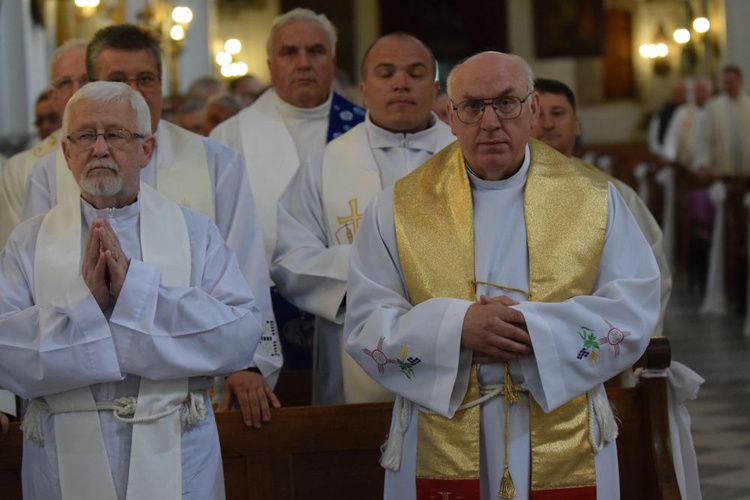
(108, 92)
(526, 69)
(73, 43)
(302, 14)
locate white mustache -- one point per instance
(108, 164)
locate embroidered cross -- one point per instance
(353, 218)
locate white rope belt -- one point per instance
(193, 410)
(599, 410)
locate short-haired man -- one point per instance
(559, 128)
(118, 307)
(298, 116)
(68, 73)
(724, 136)
(490, 291)
(194, 171)
(319, 212)
(46, 117)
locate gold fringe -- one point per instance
(507, 488)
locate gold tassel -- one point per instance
(507, 488)
(509, 388)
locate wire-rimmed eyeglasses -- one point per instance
(506, 107)
(116, 138)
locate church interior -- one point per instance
(622, 58)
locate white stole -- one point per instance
(155, 460)
(181, 169)
(350, 180)
(271, 160)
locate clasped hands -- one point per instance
(494, 332)
(104, 265)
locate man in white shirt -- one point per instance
(319, 212)
(191, 170)
(118, 308)
(298, 116)
(494, 290)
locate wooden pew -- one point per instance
(323, 452)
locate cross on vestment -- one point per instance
(354, 217)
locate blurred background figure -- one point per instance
(203, 88)
(246, 88)
(47, 119)
(190, 115)
(219, 108)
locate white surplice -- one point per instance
(310, 265)
(379, 315)
(210, 328)
(14, 177)
(261, 133)
(234, 215)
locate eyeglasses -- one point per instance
(116, 138)
(147, 81)
(506, 108)
(67, 82)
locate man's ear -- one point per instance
(66, 152)
(149, 145)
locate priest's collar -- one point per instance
(381, 138)
(290, 111)
(127, 212)
(514, 181)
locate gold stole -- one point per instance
(566, 220)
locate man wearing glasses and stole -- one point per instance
(191, 170)
(494, 290)
(118, 308)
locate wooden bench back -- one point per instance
(321, 452)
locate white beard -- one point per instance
(104, 186)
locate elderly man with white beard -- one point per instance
(119, 306)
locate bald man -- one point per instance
(490, 291)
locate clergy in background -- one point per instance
(298, 116)
(494, 290)
(118, 307)
(191, 170)
(321, 209)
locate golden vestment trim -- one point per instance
(566, 221)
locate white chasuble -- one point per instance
(155, 462)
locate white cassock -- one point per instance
(626, 294)
(210, 328)
(273, 137)
(13, 183)
(724, 137)
(311, 260)
(233, 213)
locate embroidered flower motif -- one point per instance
(407, 364)
(590, 345)
(614, 337)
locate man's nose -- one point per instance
(100, 146)
(490, 120)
